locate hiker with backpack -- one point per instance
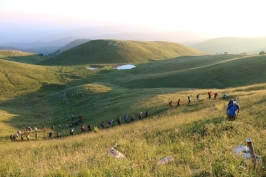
(233, 110)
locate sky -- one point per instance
(36, 18)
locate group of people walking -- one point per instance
(232, 110)
(126, 119)
(197, 98)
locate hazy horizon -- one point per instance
(29, 20)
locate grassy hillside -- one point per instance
(197, 136)
(115, 51)
(22, 57)
(231, 45)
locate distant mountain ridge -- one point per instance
(73, 44)
(232, 45)
(40, 46)
(51, 43)
(129, 32)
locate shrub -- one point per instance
(262, 53)
(95, 129)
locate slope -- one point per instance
(197, 135)
(30, 91)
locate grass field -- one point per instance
(197, 136)
(19, 56)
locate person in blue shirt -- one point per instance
(125, 118)
(233, 109)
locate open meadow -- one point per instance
(197, 137)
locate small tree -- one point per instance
(262, 53)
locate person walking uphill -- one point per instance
(232, 110)
(132, 118)
(146, 114)
(111, 123)
(82, 128)
(140, 115)
(89, 128)
(224, 96)
(215, 95)
(119, 120)
(125, 118)
(198, 95)
(170, 104)
(210, 94)
(178, 102)
(189, 99)
(102, 124)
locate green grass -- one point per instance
(22, 57)
(197, 136)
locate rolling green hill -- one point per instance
(115, 51)
(197, 136)
(232, 45)
(19, 56)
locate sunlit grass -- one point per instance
(196, 135)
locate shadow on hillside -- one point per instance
(102, 57)
(53, 104)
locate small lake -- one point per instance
(128, 66)
(95, 67)
(90, 68)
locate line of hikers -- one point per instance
(29, 130)
(197, 98)
(232, 109)
(132, 119)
